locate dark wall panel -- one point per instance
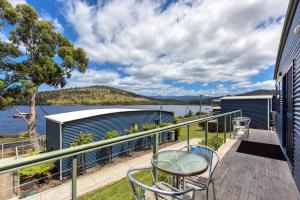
(52, 135)
(100, 125)
(290, 55)
(256, 109)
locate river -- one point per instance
(9, 125)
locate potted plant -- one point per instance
(28, 175)
(110, 135)
(146, 127)
(82, 138)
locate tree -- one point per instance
(110, 135)
(8, 16)
(48, 58)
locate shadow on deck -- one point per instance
(243, 176)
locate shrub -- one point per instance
(189, 114)
(111, 134)
(149, 126)
(83, 138)
(202, 124)
(38, 170)
(214, 142)
(163, 124)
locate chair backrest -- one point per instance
(212, 156)
(140, 190)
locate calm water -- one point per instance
(10, 125)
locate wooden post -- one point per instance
(74, 177)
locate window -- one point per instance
(156, 121)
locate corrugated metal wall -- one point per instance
(256, 109)
(52, 135)
(100, 125)
(290, 54)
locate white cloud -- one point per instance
(15, 2)
(57, 25)
(196, 42)
(269, 84)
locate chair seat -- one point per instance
(197, 182)
(167, 187)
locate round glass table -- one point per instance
(180, 163)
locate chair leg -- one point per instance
(213, 184)
(207, 190)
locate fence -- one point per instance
(8, 149)
(74, 152)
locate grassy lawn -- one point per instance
(197, 132)
(119, 190)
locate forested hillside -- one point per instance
(96, 95)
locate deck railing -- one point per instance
(73, 152)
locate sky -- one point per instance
(171, 47)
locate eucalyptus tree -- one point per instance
(45, 57)
(8, 51)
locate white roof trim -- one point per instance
(70, 116)
(248, 97)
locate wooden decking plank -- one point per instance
(243, 176)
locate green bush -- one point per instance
(163, 124)
(202, 124)
(214, 142)
(38, 170)
(149, 126)
(111, 134)
(83, 138)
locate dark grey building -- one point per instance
(62, 129)
(256, 107)
(287, 77)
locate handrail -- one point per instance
(21, 163)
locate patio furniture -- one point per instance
(160, 190)
(179, 164)
(202, 182)
(241, 123)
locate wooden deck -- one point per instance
(243, 176)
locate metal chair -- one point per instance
(241, 124)
(202, 182)
(160, 190)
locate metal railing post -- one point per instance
(241, 114)
(188, 137)
(74, 177)
(154, 151)
(206, 132)
(225, 129)
(17, 153)
(217, 127)
(230, 120)
(2, 151)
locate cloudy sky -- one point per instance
(172, 47)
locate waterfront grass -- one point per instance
(118, 190)
(198, 132)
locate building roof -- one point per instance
(71, 116)
(248, 97)
(285, 31)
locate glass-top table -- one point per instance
(180, 163)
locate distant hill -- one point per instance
(96, 95)
(182, 98)
(258, 92)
